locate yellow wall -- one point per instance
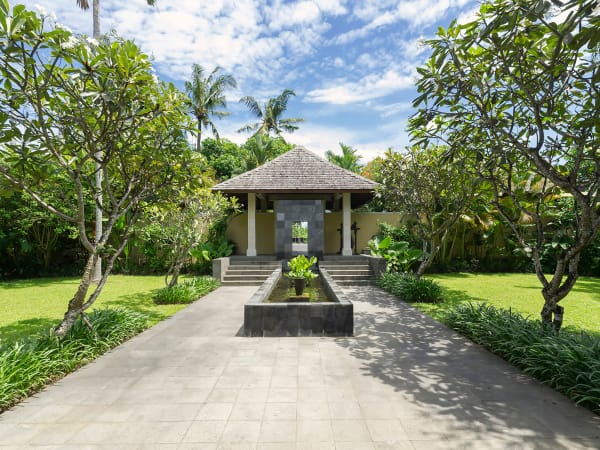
(237, 230)
(365, 221)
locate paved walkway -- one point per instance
(403, 382)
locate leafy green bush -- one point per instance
(28, 365)
(410, 288)
(186, 292)
(569, 363)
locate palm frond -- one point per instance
(252, 105)
(83, 4)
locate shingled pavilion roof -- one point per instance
(299, 171)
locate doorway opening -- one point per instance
(300, 238)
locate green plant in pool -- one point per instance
(300, 267)
(300, 271)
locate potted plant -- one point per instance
(300, 271)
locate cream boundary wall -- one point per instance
(237, 230)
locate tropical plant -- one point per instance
(186, 292)
(349, 159)
(64, 101)
(207, 94)
(270, 115)
(300, 267)
(409, 288)
(399, 255)
(262, 148)
(514, 95)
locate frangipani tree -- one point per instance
(515, 92)
(64, 100)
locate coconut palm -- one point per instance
(206, 94)
(349, 159)
(85, 5)
(269, 116)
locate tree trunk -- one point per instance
(96, 18)
(199, 137)
(76, 304)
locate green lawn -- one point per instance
(34, 305)
(522, 293)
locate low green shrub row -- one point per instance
(30, 364)
(187, 291)
(410, 288)
(567, 362)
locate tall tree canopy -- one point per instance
(349, 159)
(207, 95)
(269, 116)
(71, 106)
(516, 94)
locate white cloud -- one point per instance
(370, 87)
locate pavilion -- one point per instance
(298, 186)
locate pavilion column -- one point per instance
(251, 251)
(347, 245)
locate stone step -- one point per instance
(265, 267)
(236, 277)
(236, 271)
(346, 271)
(337, 278)
(342, 264)
(345, 283)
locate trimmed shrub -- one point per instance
(567, 362)
(410, 288)
(186, 292)
(30, 364)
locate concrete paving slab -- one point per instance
(402, 382)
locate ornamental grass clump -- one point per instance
(30, 364)
(411, 289)
(567, 362)
(186, 292)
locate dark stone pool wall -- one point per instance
(298, 319)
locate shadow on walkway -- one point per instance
(460, 387)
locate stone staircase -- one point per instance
(249, 271)
(349, 270)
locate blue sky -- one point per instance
(351, 63)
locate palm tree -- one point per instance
(206, 94)
(347, 160)
(269, 116)
(85, 5)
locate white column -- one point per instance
(347, 245)
(251, 251)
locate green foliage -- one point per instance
(28, 365)
(213, 248)
(569, 363)
(398, 255)
(186, 292)
(226, 158)
(300, 267)
(349, 159)
(262, 148)
(299, 232)
(270, 115)
(410, 288)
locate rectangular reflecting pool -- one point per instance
(329, 313)
(313, 293)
